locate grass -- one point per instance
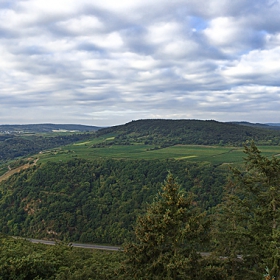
(213, 154)
(217, 155)
(86, 149)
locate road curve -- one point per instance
(77, 245)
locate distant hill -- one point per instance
(44, 128)
(165, 133)
(275, 126)
(15, 141)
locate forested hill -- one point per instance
(171, 132)
(13, 146)
(96, 201)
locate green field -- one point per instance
(213, 154)
(88, 149)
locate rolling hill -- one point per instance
(171, 132)
(94, 185)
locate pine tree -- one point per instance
(249, 220)
(167, 238)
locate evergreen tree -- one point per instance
(167, 238)
(249, 219)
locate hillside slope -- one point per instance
(13, 146)
(171, 132)
(95, 201)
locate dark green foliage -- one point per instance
(22, 260)
(164, 133)
(14, 146)
(249, 218)
(95, 201)
(168, 236)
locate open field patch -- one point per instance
(83, 143)
(110, 138)
(213, 154)
(187, 157)
(100, 147)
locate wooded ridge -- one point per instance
(95, 201)
(171, 132)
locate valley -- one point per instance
(90, 187)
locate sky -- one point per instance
(108, 62)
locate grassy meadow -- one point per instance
(214, 154)
(88, 149)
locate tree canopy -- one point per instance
(95, 200)
(168, 236)
(164, 133)
(248, 228)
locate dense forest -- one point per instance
(22, 260)
(164, 133)
(243, 231)
(242, 234)
(14, 146)
(96, 201)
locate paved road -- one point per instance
(91, 246)
(77, 245)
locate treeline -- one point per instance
(14, 146)
(96, 201)
(163, 133)
(157, 133)
(243, 230)
(22, 260)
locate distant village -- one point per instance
(10, 132)
(20, 131)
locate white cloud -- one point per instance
(222, 31)
(163, 32)
(82, 25)
(229, 34)
(138, 59)
(112, 40)
(50, 8)
(263, 64)
(272, 40)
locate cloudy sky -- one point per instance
(107, 62)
